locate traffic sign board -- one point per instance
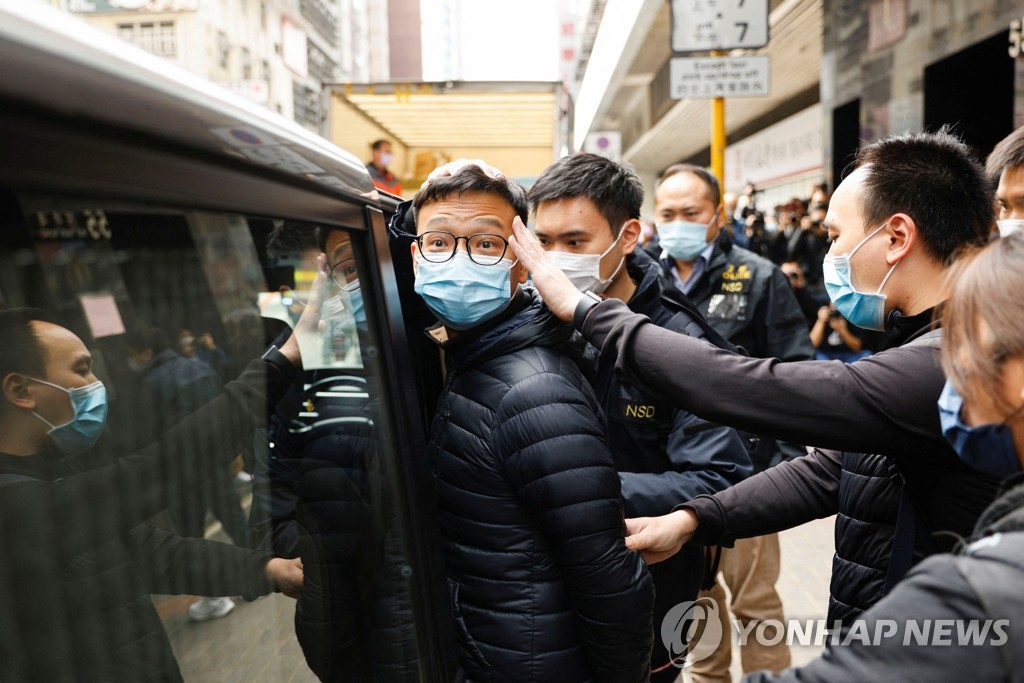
(704, 77)
(702, 25)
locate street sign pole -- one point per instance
(718, 134)
(717, 26)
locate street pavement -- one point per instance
(256, 642)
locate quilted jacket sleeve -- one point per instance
(557, 461)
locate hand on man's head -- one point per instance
(453, 167)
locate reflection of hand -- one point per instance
(838, 324)
(558, 292)
(206, 341)
(659, 538)
(824, 313)
(309, 321)
(453, 167)
(286, 575)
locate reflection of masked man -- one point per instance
(343, 314)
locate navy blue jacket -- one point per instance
(663, 454)
(541, 584)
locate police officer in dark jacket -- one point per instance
(897, 482)
(587, 209)
(748, 300)
(541, 585)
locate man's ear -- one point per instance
(16, 391)
(415, 265)
(631, 236)
(519, 273)
(902, 233)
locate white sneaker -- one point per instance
(210, 608)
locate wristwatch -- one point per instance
(586, 302)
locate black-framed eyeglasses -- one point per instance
(344, 274)
(438, 246)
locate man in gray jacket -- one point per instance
(895, 223)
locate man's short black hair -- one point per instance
(613, 187)
(1009, 153)
(935, 179)
(22, 351)
(714, 191)
(377, 144)
(472, 179)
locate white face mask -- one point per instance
(1009, 226)
(385, 159)
(584, 270)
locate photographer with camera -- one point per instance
(834, 338)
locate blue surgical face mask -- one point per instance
(351, 298)
(863, 309)
(462, 293)
(988, 448)
(684, 240)
(83, 430)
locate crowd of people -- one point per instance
(628, 418)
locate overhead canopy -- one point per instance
(498, 114)
(517, 126)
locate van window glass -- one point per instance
(147, 550)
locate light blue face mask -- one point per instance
(988, 448)
(684, 240)
(83, 430)
(462, 293)
(352, 297)
(863, 309)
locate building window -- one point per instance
(321, 67)
(306, 103)
(158, 37)
(246, 63)
(322, 16)
(223, 49)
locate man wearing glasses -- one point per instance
(541, 585)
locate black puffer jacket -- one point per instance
(866, 491)
(354, 616)
(542, 586)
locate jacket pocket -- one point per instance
(466, 642)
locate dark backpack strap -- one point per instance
(912, 530)
(902, 556)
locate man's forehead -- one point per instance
(570, 215)
(59, 343)
(338, 244)
(473, 212)
(844, 209)
(683, 186)
(1011, 182)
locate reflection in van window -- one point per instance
(157, 475)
